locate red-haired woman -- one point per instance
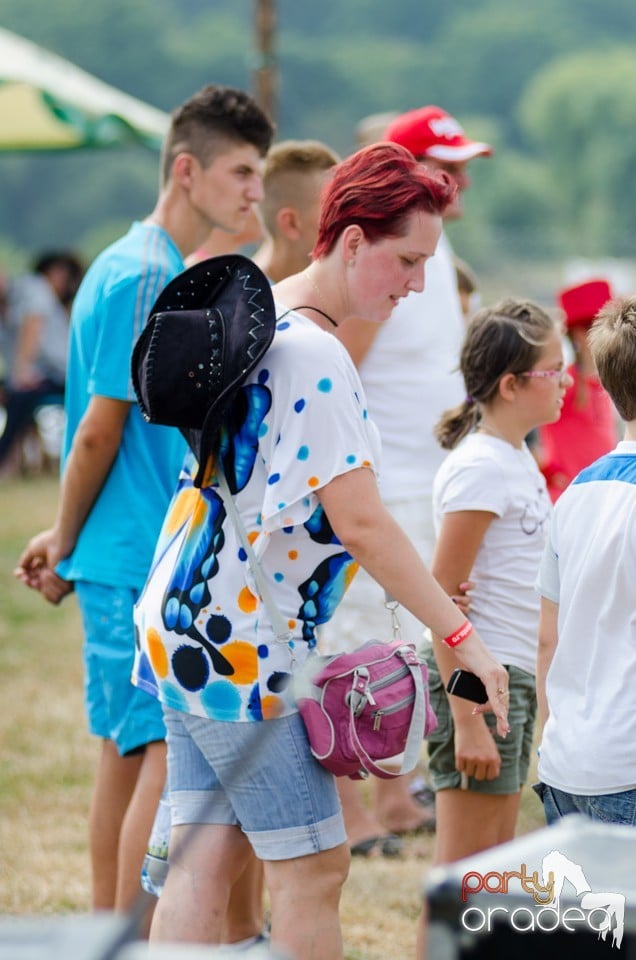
(307, 455)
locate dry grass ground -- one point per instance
(47, 762)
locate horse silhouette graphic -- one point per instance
(558, 868)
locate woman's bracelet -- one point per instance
(459, 635)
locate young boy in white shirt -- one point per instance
(586, 670)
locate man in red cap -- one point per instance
(588, 426)
(408, 366)
(436, 139)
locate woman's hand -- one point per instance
(475, 656)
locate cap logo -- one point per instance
(446, 127)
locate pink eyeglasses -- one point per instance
(559, 375)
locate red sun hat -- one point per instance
(431, 132)
(580, 303)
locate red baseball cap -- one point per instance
(431, 132)
(581, 302)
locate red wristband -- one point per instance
(459, 635)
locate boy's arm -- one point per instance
(548, 639)
(95, 447)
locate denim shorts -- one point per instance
(607, 807)
(116, 710)
(515, 749)
(259, 776)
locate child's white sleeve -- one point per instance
(548, 583)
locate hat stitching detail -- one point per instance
(150, 362)
(215, 352)
(258, 309)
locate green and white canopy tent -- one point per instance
(47, 103)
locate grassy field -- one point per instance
(47, 762)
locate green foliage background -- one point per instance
(551, 84)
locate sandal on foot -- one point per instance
(388, 845)
(426, 825)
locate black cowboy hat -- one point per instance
(207, 330)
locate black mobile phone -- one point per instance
(464, 684)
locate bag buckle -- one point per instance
(360, 693)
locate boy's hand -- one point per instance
(35, 568)
(52, 587)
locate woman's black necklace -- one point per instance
(322, 313)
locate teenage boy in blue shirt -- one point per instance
(119, 472)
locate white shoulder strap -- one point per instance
(281, 629)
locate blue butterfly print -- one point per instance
(322, 593)
(319, 528)
(238, 451)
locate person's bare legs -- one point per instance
(206, 860)
(114, 786)
(137, 824)
(469, 822)
(395, 807)
(360, 823)
(245, 917)
(305, 896)
(486, 819)
(421, 946)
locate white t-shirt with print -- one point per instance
(205, 644)
(485, 473)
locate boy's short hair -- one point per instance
(612, 340)
(211, 120)
(288, 167)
